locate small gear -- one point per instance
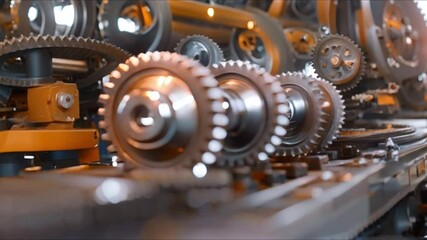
(339, 60)
(257, 109)
(201, 49)
(307, 120)
(149, 24)
(27, 60)
(163, 109)
(334, 109)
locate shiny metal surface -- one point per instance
(163, 109)
(256, 106)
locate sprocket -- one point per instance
(163, 109)
(201, 49)
(307, 120)
(339, 60)
(257, 109)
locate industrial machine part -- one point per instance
(43, 21)
(163, 109)
(338, 60)
(259, 43)
(413, 93)
(395, 34)
(136, 26)
(257, 109)
(200, 48)
(253, 33)
(33, 60)
(170, 117)
(334, 109)
(47, 125)
(49, 17)
(307, 119)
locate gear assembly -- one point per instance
(201, 119)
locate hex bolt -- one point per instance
(65, 100)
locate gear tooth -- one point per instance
(101, 111)
(105, 137)
(111, 148)
(102, 124)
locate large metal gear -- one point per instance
(307, 120)
(257, 109)
(339, 60)
(200, 48)
(163, 109)
(334, 109)
(261, 44)
(148, 24)
(396, 38)
(33, 60)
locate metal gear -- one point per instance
(396, 38)
(200, 48)
(152, 24)
(339, 60)
(334, 109)
(307, 119)
(28, 60)
(163, 109)
(262, 44)
(257, 109)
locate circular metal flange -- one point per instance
(257, 110)
(201, 49)
(136, 26)
(262, 44)
(307, 120)
(163, 109)
(339, 60)
(396, 38)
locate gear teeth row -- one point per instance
(334, 109)
(211, 121)
(216, 52)
(61, 44)
(276, 106)
(313, 125)
(349, 83)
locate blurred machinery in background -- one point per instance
(213, 119)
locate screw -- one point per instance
(65, 100)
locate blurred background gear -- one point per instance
(338, 60)
(201, 49)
